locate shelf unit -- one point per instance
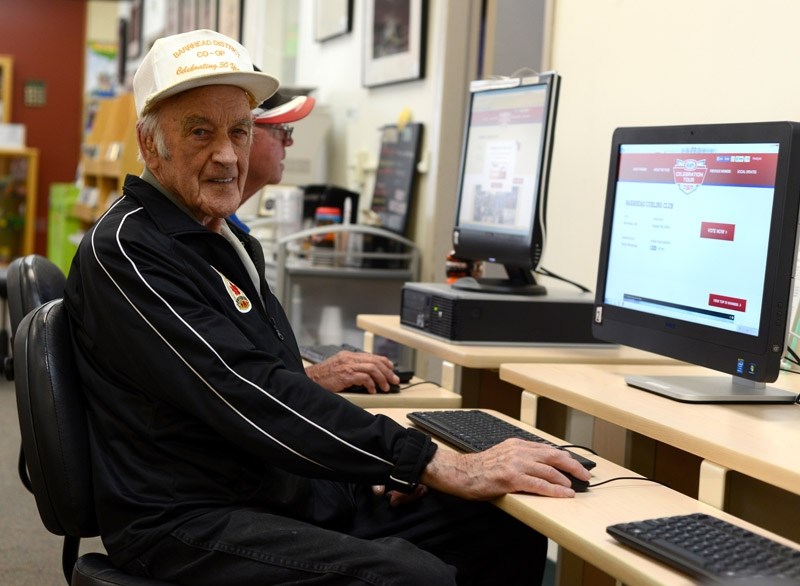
(6, 79)
(19, 172)
(108, 155)
(18, 202)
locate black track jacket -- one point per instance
(196, 391)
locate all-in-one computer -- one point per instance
(698, 253)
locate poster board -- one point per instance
(394, 177)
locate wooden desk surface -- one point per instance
(419, 396)
(579, 524)
(422, 396)
(491, 357)
(761, 441)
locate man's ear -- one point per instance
(147, 148)
(150, 146)
(141, 142)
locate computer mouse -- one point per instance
(363, 390)
(578, 485)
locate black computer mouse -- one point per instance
(362, 390)
(577, 484)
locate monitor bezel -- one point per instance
(471, 243)
(701, 344)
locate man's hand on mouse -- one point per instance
(346, 369)
(512, 466)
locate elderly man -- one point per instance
(217, 460)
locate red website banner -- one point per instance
(524, 115)
(757, 169)
(731, 303)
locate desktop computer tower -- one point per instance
(560, 317)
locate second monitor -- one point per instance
(505, 163)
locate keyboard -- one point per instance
(711, 549)
(320, 352)
(474, 431)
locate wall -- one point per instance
(334, 67)
(46, 39)
(636, 63)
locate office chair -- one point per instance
(30, 281)
(55, 438)
(5, 349)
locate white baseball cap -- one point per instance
(198, 58)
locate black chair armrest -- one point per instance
(95, 569)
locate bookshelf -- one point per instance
(19, 170)
(108, 154)
(6, 81)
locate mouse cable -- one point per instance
(579, 447)
(626, 478)
(546, 273)
(422, 382)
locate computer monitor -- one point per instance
(505, 164)
(698, 253)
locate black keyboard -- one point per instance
(711, 549)
(474, 431)
(320, 352)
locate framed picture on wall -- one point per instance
(207, 14)
(122, 54)
(172, 20)
(332, 18)
(394, 41)
(229, 19)
(188, 15)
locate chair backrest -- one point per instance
(55, 437)
(5, 350)
(53, 422)
(31, 281)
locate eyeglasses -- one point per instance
(282, 131)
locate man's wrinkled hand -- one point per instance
(346, 369)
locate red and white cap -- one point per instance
(281, 109)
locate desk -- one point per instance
(422, 396)
(579, 524)
(480, 385)
(416, 394)
(759, 441)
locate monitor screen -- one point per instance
(698, 253)
(505, 162)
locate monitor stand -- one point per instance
(520, 281)
(711, 389)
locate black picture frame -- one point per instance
(394, 41)
(122, 53)
(134, 46)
